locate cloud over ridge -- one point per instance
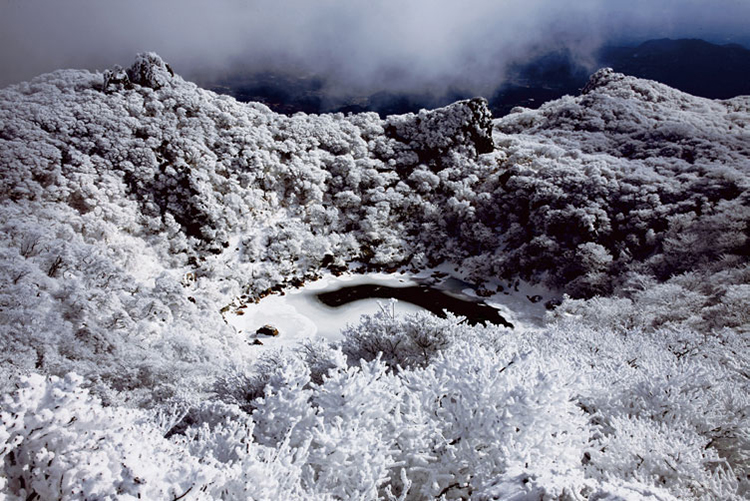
(362, 45)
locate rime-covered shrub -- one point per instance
(60, 443)
(564, 411)
(409, 342)
(134, 207)
(552, 414)
(243, 385)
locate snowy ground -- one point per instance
(298, 314)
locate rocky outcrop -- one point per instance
(149, 70)
(600, 79)
(464, 127)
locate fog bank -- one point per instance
(382, 44)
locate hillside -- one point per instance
(136, 207)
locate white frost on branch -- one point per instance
(134, 206)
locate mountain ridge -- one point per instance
(136, 208)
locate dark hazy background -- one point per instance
(352, 48)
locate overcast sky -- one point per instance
(376, 43)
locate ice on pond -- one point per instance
(300, 313)
(436, 300)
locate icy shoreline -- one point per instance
(298, 314)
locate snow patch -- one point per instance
(299, 315)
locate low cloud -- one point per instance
(379, 44)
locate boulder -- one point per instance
(267, 330)
(116, 79)
(149, 70)
(601, 78)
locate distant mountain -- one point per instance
(289, 94)
(282, 93)
(694, 66)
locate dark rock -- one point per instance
(366, 253)
(258, 342)
(535, 298)
(267, 330)
(337, 270)
(552, 304)
(116, 79)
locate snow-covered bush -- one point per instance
(408, 343)
(134, 207)
(552, 414)
(60, 443)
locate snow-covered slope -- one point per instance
(135, 206)
(632, 189)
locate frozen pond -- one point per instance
(324, 307)
(430, 298)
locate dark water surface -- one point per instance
(429, 298)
